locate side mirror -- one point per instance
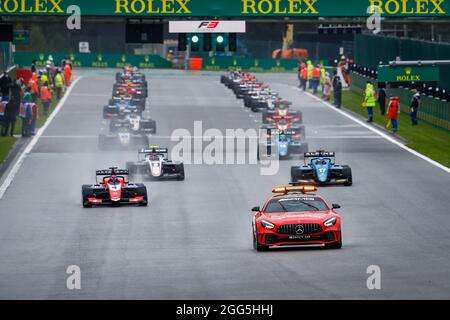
(256, 209)
(335, 206)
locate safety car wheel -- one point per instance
(336, 245)
(257, 246)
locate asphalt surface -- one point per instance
(194, 240)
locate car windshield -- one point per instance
(296, 204)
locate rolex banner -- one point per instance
(408, 74)
(228, 8)
(93, 60)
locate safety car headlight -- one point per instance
(330, 222)
(267, 224)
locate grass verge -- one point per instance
(6, 143)
(425, 138)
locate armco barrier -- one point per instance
(93, 60)
(433, 111)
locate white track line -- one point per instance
(380, 133)
(12, 173)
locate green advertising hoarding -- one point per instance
(93, 60)
(248, 64)
(408, 74)
(228, 8)
(21, 37)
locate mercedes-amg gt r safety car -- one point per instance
(113, 189)
(322, 170)
(295, 216)
(153, 163)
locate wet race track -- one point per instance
(194, 240)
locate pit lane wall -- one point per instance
(93, 60)
(110, 60)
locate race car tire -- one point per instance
(142, 191)
(180, 176)
(335, 245)
(296, 173)
(347, 172)
(86, 192)
(259, 247)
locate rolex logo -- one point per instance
(99, 57)
(408, 71)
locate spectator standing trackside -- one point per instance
(303, 77)
(322, 78)
(327, 87)
(25, 112)
(382, 99)
(34, 88)
(415, 105)
(46, 97)
(315, 78)
(44, 78)
(67, 74)
(11, 113)
(369, 101)
(338, 95)
(310, 68)
(59, 84)
(392, 114)
(5, 84)
(33, 66)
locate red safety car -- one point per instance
(295, 216)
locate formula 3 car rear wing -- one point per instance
(319, 153)
(154, 150)
(111, 171)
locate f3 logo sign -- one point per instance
(208, 25)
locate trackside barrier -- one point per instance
(195, 63)
(248, 64)
(93, 60)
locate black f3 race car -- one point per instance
(153, 163)
(113, 189)
(321, 170)
(121, 136)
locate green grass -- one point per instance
(425, 138)
(6, 144)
